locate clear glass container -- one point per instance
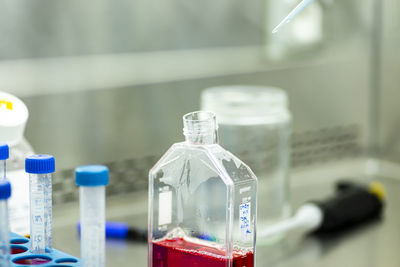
(202, 202)
(255, 124)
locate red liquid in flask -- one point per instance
(179, 252)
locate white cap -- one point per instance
(245, 102)
(13, 117)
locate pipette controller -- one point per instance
(92, 181)
(352, 205)
(40, 169)
(296, 11)
(5, 193)
(4, 154)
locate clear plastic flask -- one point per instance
(255, 125)
(202, 202)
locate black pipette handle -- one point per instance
(352, 204)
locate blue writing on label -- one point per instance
(244, 220)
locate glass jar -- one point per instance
(255, 124)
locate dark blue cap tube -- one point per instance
(5, 190)
(4, 151)
(40, 164)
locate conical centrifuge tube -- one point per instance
(92, 181)
(40, 169)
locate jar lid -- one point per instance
(244, 101)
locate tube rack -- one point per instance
(20, 245)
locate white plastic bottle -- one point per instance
(13, 117)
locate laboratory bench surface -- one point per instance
(374, 244)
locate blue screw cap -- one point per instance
(39, 164)
(4, 151)
(5, 189)
(91, 175)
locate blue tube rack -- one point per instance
(56, 258)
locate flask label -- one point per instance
(244, 220)
(165, 208)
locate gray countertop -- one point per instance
(372, 245)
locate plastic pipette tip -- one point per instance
(280, 25)
(296, 11)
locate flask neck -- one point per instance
(200, 128)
